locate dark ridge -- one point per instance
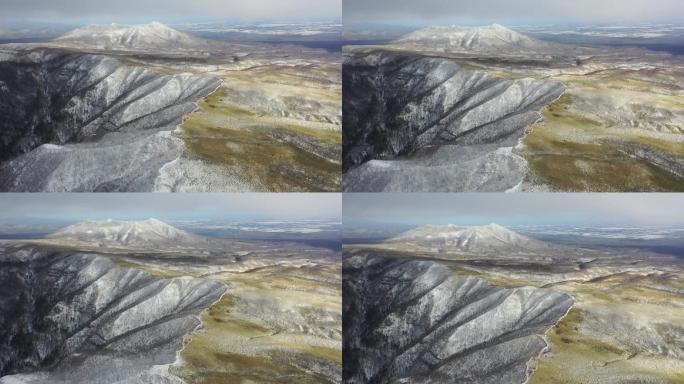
(364, 240)
(24, 40)
(23, 236)
(674, 48)
(330, 46)
(332, 244)
(367, 42)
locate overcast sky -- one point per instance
(168, 10)
(514, 12)
(171, 206)
(648, 209)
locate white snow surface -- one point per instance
(126, 233)
(475, 238)
(120, 36)
(487, 38)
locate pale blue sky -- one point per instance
(648, 209)
(165, 10)
(515, 12)
(171, 206)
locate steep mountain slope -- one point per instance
(489, 38)
(418, 322)
(153, 36)
(81, 122)
(147, 233)
(79, 318)
(486, 238)
(416, 123)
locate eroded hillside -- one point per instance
(417, 123)
(83, 122)
(77, 317)
(419, 321)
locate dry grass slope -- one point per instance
(582, 145)
(273, 153)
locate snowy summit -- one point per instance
(130, 37)
(478, 238)
(126, 233)
(476, 39)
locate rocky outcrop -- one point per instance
(82, 122)
(415, 321)
(79, 318)
(414, 123)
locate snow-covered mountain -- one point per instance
(131, 37)
(147, 233)
(492, 237)
(478, 39)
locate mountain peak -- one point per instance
(482, 238)
(496, 227)
(494, 37)
(152, 220)
(498, 26)
(150, 232)
(153, 35)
